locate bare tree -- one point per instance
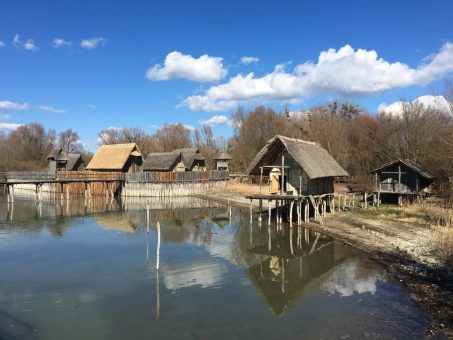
(67, 140)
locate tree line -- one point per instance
(358, 140)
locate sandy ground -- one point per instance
(401, 243)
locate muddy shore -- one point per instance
(402, 246)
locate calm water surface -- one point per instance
(87, 271)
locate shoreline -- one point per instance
(401, 247)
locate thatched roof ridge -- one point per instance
(57, 154)
(73, 158)
(113, 156)
(161, 161)
(223, 155)
(189, 155)
(406, 162)
(314, 159)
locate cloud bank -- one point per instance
(345, 71)
(184, 66)
(431, 102)
(249, 60)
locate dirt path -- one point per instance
(403, 245)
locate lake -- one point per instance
(86, 269)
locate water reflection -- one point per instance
(90, 260)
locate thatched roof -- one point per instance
(161, 161)
(314, 159)
(57, 154)
(71, 159)
(407, 163)
(189, 156)
(113, 157)
(223, 155)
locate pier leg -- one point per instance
(158, 246)
(67, 191)
(291, 206)
(251, 212)
(365, 203)
(269, 212)
(260, 217)
(61, 192)
(11, 193)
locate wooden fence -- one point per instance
(105, 181)
(177, 177)
(26, 175)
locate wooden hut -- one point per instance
(401, 178)
(296, 167)
(59, 160)
(222, 160)
(117, 158)
(192, 159)
(163, 161)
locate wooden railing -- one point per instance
(90, 175)
(26, 176)
(176, 177)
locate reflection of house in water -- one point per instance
(283, 273)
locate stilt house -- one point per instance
(402, 177)
(297, 167)
(59, 160)
(116, 158)
(192, 158)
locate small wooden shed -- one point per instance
(402, 177)
(296, 166)
(59, 160)
(222, 160)
(116, 157)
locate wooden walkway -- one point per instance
(300, 206)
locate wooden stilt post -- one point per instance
(291, 213)
(260, 217)
(365, 203)
(61, 191)
(353, 200)
(269, 212)
(158, 246)
(12, 193)
(67, 191)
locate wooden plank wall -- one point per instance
(97, 188)
(176, 177)
(169, 189)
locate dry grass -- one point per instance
(244, 188)
(441, 221)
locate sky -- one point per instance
(91, 65)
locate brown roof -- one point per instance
(223, 155)
(161, 161)
(189, 155)
(314, 159)
(113, 156)
(408, 163)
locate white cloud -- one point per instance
(428, 101)
(346, 72)
(27, 44)
(2, 44)
(249, 60)
(50, 109)
(91, 106)
(216, 120)
(93, 42)
(8, 105)
(9, 126)
(178, 65)
(60, 42)
(5, 116)
(189, 127)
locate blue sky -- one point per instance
(144, 63)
